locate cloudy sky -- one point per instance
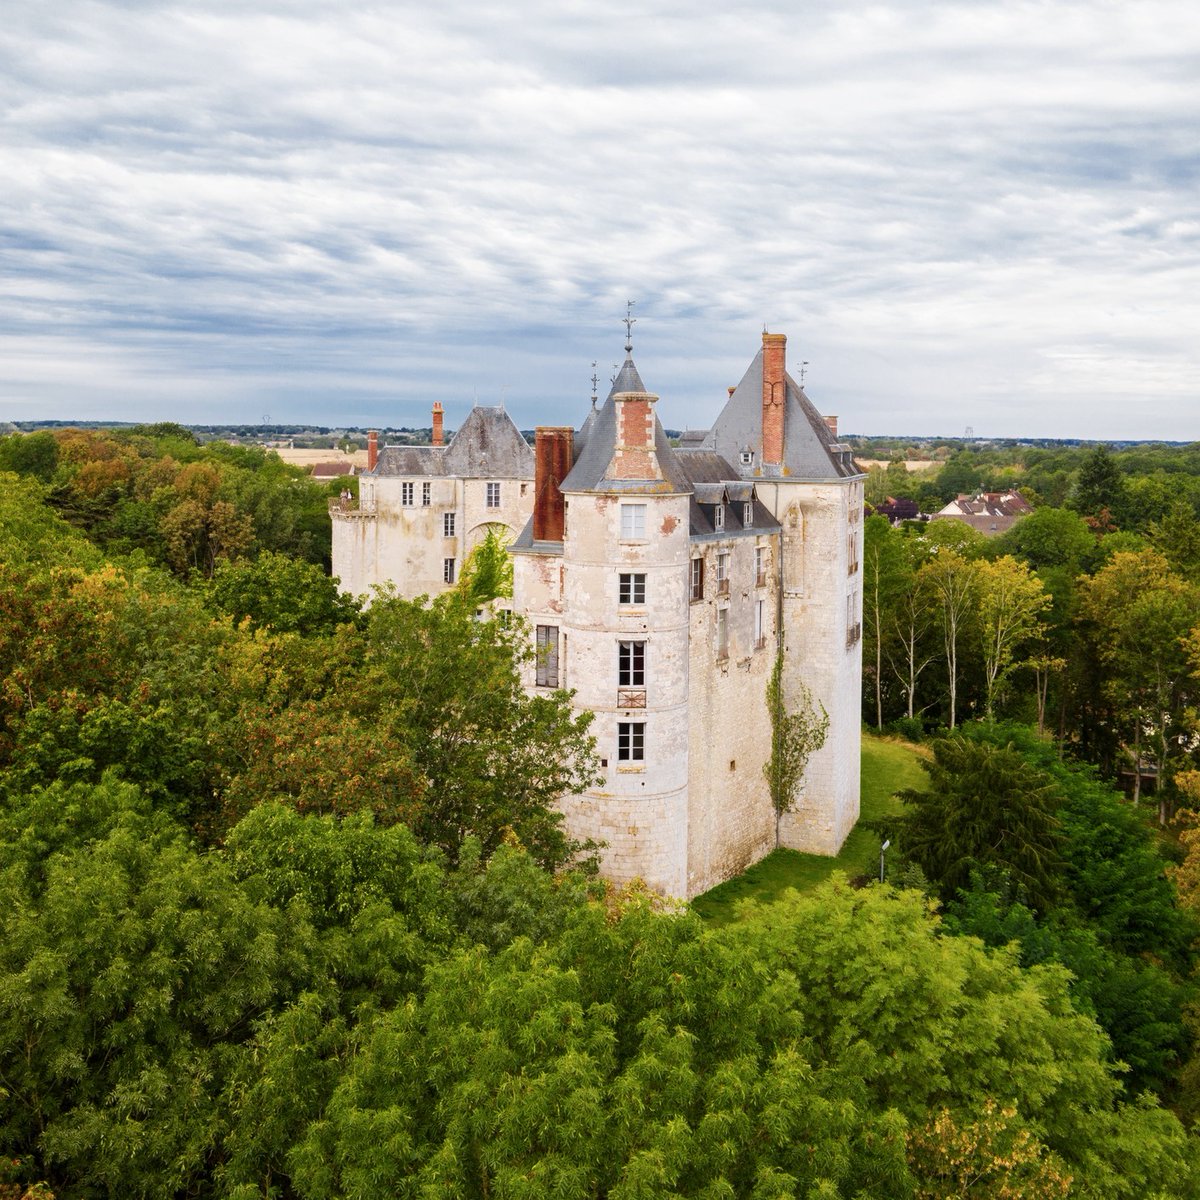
(976, 214)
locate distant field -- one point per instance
(309, 458)
(913, 464)
(888, 765)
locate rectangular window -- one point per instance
(633, 521)
(748, 515)
(719, 517)
(723, 572)
(448, 524)
(697, 579)
(426, 494)
(760, 634)
(760, 566)
(852, 553)
(631, 741)
(547, 656)
(631, 664)
(448, 570)
(722, 633)
(493, 495)
(632, 589)
(406, 494)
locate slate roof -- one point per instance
(594, 460)
(989, 512)
(714, 481)
(487, 446)
(810, 451)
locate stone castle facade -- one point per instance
(659, 584)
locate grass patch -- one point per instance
(888, 764)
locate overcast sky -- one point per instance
(971, 214)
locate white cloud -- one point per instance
(952, 208)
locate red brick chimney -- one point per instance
(634, 455)
(552, 453)
(832, 423)
(372, 449)
(774, 396)
(437, 423)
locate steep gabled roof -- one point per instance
(488, 445)
(593, 464)
(810, 451)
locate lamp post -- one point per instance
(882, 851)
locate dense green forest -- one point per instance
(286, 911)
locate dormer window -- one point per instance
(748, 514)
(719, 517)
(747, 458)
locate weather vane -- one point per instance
(630, 322)
(595, 380)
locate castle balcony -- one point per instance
(348, 508)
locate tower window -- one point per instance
(448, 524)
(697, 579)
(633, 521)
(448, 570)
(406, 494)
(631, 664)
(723, 572)
(631, 741)
(632, 588)
(426, 494)
(722, 633)
(493, 495)
(547, 656)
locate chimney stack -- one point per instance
(552, 453)
(635, 456)
(372, 449)
(774, 397)
(437, 423)
(832, 423)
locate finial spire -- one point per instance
(630, 322)
(595, 380)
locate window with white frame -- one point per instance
(631, 741)
(722, 633)
(547, 656)
(760, 566)
(697, 579)
(760, 629)
(631, 588)
(426, 495)
(852, 553)
(719, 517)
(406, 494)
(631, 664)
(448, 524)
(722, 571)
(493, 495)
(448, 570)
(748, 514)
(633, 521)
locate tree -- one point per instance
(1049, 537)
(950, 579)
(1099, 490)
(887, 576)
(796, 735)
(985, 806)
(1137, 613)
(282, 593)
(494, 758)
(487, 573)
(34, 454)
(1010, 599)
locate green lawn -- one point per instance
(887, 766)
